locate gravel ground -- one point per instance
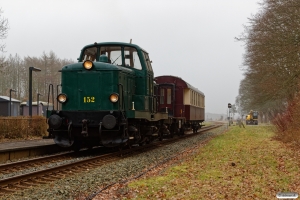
(42, 167)
(81, 186)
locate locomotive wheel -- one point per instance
(142, 144)
(171, 135)
(160, 137)
(77, 145)
(177, 131)
(148, 141)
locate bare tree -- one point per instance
(3, 29)
(272, 60)
(3, 34)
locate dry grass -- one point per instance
(241, 164)
(12, 128)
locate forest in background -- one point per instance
(14, 74)
(271, 65)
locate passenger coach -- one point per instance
(184, 103)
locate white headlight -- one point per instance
(88, 64)
(62, 98)
(114, 97)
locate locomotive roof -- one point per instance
(187, 84)
(115, 43)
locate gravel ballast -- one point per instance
(82, 185)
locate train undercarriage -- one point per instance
(113, 130)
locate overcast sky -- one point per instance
(192, 39)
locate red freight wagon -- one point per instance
(184, 103)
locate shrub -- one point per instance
(287, 123)
(22, 127)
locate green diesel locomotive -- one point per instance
(107, 99)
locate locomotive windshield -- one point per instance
(129, 58)
(90, 54)
(148, 62)
(132, 58)
(114, 54)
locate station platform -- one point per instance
(25, 144)
(13, 151)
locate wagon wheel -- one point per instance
(160, 136)
(194, 129)
(181, 131)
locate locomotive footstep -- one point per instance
(63, 141)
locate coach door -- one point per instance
(166, 98)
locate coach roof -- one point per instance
(176, 78)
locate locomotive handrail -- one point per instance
(155, 104)
(57, 94)
(123, 106)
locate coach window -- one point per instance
(168, 96)
(199, 100)
(90, 54)
(162, 95)
(132, 58)
(194, 98)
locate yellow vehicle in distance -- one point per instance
(252, 118)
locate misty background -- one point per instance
(193, 39)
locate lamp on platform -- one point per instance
(11, 90)
(30, 87)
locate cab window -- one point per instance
(132, 58)
(114, 54)
(148, 62)
(90, 54)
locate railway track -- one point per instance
(46, 174)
